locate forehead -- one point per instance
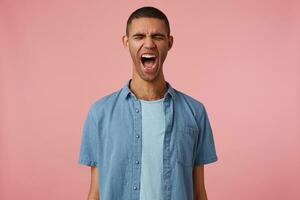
(147, 25)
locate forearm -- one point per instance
(93, 197)
(198, 183)
(201, 195)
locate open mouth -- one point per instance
(148, 60)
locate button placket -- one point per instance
(168, 108)
(137, 148)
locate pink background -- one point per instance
(240, 58)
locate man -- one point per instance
(147, 140)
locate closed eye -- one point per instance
(159, 36)
(138, 36)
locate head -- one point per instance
(148, 40)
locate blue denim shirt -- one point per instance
(111, 141)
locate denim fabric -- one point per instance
(111, 140)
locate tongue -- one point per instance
(149, 64)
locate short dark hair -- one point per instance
(150, 12)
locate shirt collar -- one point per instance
(125, 92)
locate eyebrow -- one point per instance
(154, 34)
(159, 34)
(138, 34)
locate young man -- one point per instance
(147, 140)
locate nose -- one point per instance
(148, 43)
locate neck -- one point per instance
(147, 90)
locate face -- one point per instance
(148, 43)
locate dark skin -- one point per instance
(149, 35)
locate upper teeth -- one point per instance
(148, 56)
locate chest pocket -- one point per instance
(186, 144)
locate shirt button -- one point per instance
(136, 110)
(135, 188)
(137, 136)
(137, 162)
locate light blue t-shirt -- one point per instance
(153, 132)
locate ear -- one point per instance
(170, 41)
(125, 41)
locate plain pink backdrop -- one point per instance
(239, 57)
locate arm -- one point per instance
(198, 183)
(94, 187)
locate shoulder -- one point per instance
(101, 104)
(196, 105)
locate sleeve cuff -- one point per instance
(87, 162)
(206, 161)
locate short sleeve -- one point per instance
(205, 149)
(89, 141)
